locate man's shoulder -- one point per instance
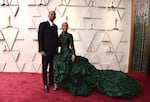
(55, 25)
(43, 23)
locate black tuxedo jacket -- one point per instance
(48, 38)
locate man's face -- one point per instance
(52, 16)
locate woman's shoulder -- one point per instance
(69, 34)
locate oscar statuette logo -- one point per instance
(9, 25)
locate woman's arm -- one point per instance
(72, 45)
(72, 49)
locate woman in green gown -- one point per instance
(76, 75)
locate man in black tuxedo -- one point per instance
(48, 39)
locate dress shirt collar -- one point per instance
(51, 23)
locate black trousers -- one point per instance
(47, 61)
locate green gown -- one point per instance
(79, 77)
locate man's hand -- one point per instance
(42, 53)
(73, 58)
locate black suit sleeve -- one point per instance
(58, 43)
(41, 37)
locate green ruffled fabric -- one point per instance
(80, 77)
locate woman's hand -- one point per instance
(73, 58)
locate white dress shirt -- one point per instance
(51, 23)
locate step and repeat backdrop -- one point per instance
(101, 31)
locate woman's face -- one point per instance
(64, 27)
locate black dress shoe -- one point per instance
(46, 89)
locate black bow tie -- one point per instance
(53, 27)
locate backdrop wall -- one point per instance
(90, 21)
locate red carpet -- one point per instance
(27, 87)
